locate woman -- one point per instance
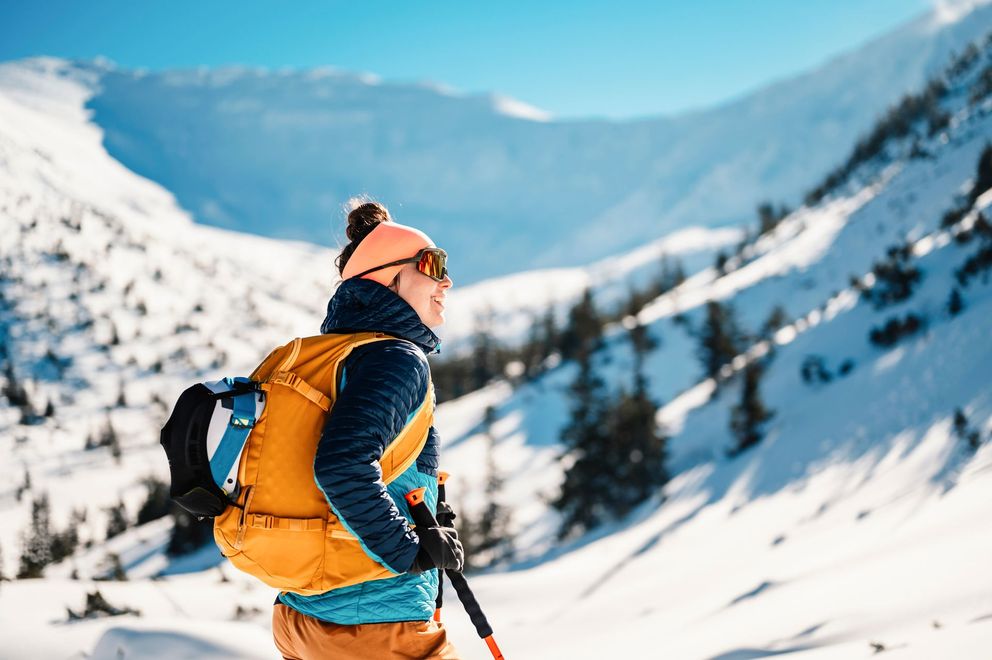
(394, 281)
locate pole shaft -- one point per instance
(423, 518)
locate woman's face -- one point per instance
(426, 296)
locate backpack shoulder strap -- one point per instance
(276, 369)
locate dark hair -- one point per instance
(364, 216)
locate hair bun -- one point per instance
(363, 218)
(364, 215)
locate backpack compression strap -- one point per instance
(289, 379)
(235, 435)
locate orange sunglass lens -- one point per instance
(432, 264)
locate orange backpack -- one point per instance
(281, 528)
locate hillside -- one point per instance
(859, 518)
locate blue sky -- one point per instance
(626, 58)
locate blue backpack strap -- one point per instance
(229, 449)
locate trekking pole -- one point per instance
(422, 517)
(441, 478)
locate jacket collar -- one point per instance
(361, 305)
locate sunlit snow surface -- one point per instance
(501, 186)
(859, 519)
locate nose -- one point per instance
(447, 282)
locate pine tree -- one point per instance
(549, 334)
(747, 419)
(955, 303)
(542, 340)
(583, 500)
(64, 543)
(766, 218)
(638, 452)
(530, 353)
(585, 328)
(639, 449)
(642, 343)
(720, 263)
(963, 431)
(895, 278)
(769, 216)
(777, 318)
(635, 302)
(467, 528)
(13, 389)
(670, 275)
(24, 487)
(720, 339)
(485, 361)
(983, 176)
(117, 522)
(36, 541)
(492, 536)
(814, 370)
(116, 568)
(157, 502)
(617, 451)
(108, 438)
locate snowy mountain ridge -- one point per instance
(277, 152)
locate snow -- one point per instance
(950, 11)
(506, 187)
(514, 108)
(859, 519)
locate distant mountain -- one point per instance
(503, 187)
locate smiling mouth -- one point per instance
(439, 301)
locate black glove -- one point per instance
(439, 548)
(445, 516)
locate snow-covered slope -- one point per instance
(278, 152)
(111, 294)
(859, 519)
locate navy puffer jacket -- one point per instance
(383, 384)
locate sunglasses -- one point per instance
(432, 262)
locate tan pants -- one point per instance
(302, 637)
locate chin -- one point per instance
(431, 319)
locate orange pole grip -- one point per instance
(442, 477)
(415, 496)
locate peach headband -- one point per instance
(389, 241)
